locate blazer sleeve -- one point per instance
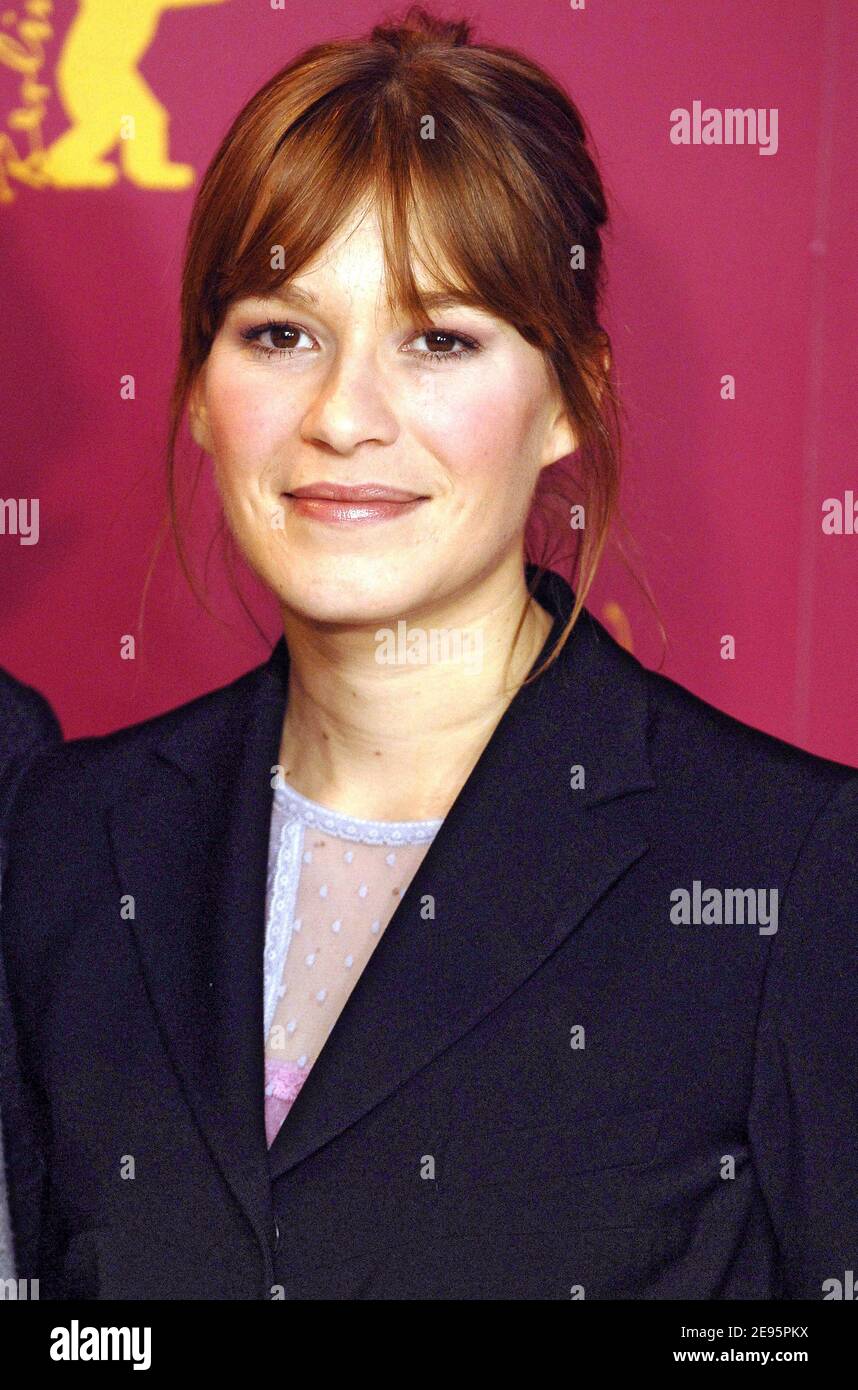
(803, 1120)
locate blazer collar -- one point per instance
(511, 886)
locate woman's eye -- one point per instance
(284, 338)
(442, 349)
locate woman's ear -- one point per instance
(562, 438)
(198, 416)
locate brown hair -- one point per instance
(505, 182)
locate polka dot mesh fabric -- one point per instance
(334, 883)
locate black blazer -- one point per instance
(27, 722)
(541, 1086)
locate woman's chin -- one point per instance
(348, 600)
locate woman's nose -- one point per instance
(351, 403)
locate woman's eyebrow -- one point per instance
(433, 299)
(443, 299)
(295, 292)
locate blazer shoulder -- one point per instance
(84, 772)
(722, 746)
(27, 725)
(25, 714)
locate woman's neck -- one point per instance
(376, 737)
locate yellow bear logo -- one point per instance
(109, 102)
(106, 99)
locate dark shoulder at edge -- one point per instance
(81, 766)
(26, 713)
(734, 745)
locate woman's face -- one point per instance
(346, 394)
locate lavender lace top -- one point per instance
(334, 882)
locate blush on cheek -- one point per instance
(239, 428)
(497, 424)
(244, 412)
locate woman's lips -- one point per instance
(352, 510)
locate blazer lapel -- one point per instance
(191, 847)
(516, 865)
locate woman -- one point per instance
(449, 953)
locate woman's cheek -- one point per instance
(243, 431)
(243, 410)
(492, 417)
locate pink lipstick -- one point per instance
(338, 504)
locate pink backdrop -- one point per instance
(723, 261)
